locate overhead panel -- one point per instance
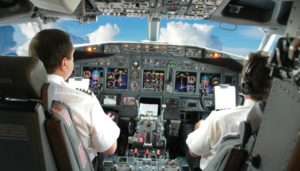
(188, 9)
(64, 6)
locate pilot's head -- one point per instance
(256, 80)
(55, 49)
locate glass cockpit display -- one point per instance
(153, 80)
(185, 81)
(95, 74)
(208, 81)
(116, 78)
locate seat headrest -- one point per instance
(255, 116)
(21, 77)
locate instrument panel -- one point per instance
(124, 74)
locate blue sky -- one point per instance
(14, 39)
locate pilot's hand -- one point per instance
(197, 125)
(112, 116)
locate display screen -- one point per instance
(129, 100)
(116, 78)
(153, 80)
(95, 74)
(171, 102)
(208, 81)
(109, 100)
(185, 81)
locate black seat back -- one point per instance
(26, 107)
(23, 140)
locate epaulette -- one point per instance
(89, 92)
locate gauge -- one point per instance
(216, 81)
(135, 64)
(134, 86)
(135, 74)
(87, 74)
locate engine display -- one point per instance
(153, 80)
(116, 78)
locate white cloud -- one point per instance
(23, 49)
(28, 30)
(185, 33)
(104, 33)
(255, 33)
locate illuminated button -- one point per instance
(158, 152)
(135, 152)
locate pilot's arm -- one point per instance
(111, 150)
(105, 132)
(197, 125)
(201, 139)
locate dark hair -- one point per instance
(256, 80)
(51, 46)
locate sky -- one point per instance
(14, 39)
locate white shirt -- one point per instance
(96, 130)
(205, 140)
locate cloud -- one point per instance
(254, 33)
(185, 33)
(28, 31)
(104, 33)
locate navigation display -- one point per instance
(208, 81)
(116, 78)
(185, 81)
(95, 75)
(153, 80)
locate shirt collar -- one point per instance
(249, 102)
(56, 79)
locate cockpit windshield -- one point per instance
(234, 39)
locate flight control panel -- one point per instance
(122, 74)
(155, 89)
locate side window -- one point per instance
(7, 41)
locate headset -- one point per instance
(247, 86)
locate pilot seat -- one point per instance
(36, 132)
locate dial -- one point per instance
(134, 86)
(135, 64)
(135, 74)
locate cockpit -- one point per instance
(158, 85)
(157, 91)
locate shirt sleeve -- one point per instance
(105, 131)
(201, 140)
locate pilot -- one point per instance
(256, 83)
(97, 131)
